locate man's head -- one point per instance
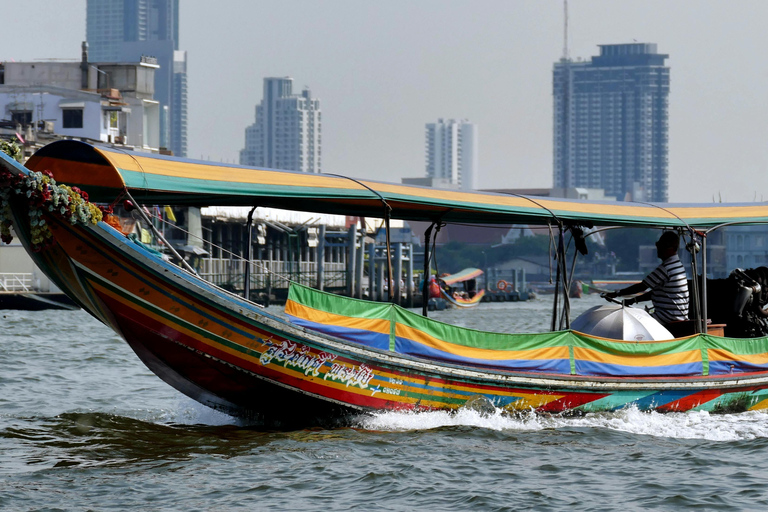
(668, 243)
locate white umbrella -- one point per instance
(620, 323)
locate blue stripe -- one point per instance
(726, 367)
(360, 336)
(411, 348)
(620, 370)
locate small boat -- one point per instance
(336, 355)
(466, 295)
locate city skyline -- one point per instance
(385, 69)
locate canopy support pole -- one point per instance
(159, 235)
(568, 282)
(558, 275)
(427, 276)
(693, 248)
(703, 287)
(565, 316)
(387, 212)
(248, 257)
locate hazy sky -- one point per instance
(383, 69)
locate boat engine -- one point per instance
(739, 301)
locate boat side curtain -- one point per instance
(367, 323)
(389, 327)
(735, 355)
(604, 357)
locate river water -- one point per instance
(85, 426)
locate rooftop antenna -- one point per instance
(566, 55)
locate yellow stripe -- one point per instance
(716, 354)
(180, 169)
(762, 404)
(418, 336)
(586, 354)
(376, 325)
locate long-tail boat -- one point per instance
(465, 296)
(336, 354)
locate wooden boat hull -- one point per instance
(231, 355)
(459, 302)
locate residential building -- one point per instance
(111, 102)
(287, 131)
(611, 122)
(747, 246)
(452, 152)
(126, 30)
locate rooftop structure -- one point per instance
(111, 102)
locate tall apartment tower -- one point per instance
(126, 30)
(452, 152)
(611, 122)
(287, 131)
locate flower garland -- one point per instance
(44, 196)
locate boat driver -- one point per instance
(666, 286)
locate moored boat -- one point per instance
(341, 355)
(460, 289)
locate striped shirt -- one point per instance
(669, 290)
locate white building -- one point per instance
(110, 103)
(452, 152)
(287, 131)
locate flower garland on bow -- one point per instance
(44, 196)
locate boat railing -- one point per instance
(16, 282)
(271, 273)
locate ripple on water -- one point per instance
(84, 425)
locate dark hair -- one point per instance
(669, 239)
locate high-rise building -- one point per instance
(126, 30)
(452, 152)
(287, 131)
(610, 122)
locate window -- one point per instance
(22, 117)
(72, 118)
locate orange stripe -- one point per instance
(688, 356)
(323, 317)
(716, 354)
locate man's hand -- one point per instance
(610, 295)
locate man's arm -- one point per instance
(630, 290)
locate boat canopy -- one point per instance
(104, 172)
(460, 277)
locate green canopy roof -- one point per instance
(155, 179)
